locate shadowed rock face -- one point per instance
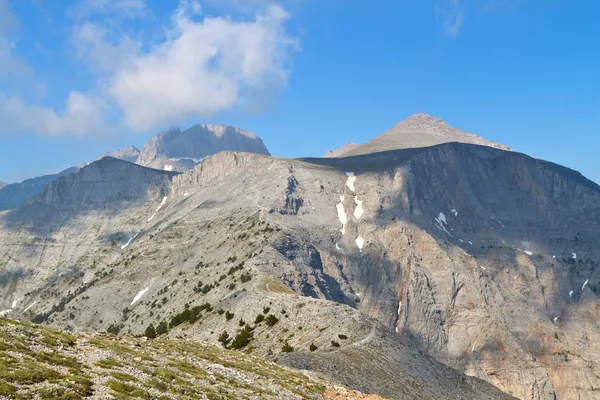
(16, 194)
(180, 151)
(420, 130)
(481, 259)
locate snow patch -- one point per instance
(338, 248)
(462, 241)
(358, 211)
(529, 253)
(471, 243)
(14, 304)
(441, 223)
(139, 295)
(186, 194)
(556, 318)
(342, 214)
(360, 242)
(399, 307)
(570, 293)
(168, 167)
(351, 180)
(454, 212)
(574, 256)
(482, 267)
(554, 257)
(164, 200)
(585, 284)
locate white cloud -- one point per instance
(203, 67)
(118, 8)
(10, 63)
(84, 115)
(450, 15)
(93, 43)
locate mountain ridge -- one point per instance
(419, 130)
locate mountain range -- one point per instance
(173, 150)
(439, 265)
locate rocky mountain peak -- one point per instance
(420, 130)
(129, 153)
(178, 150)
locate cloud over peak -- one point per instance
(204, 66)
(192, 66)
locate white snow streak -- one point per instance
(14, 304)
(360, 242)
(128, 242)
(529, 253)
(570, 293)
(338, 248)
(482, 267)
(351, 180)
(196, 160)
(399, 308)
(29, 306)
(164, 200)
(358, 211)
(471, 243)
(168, 167)
(342, 214)
(574, 256)
(139, 295)
(454, 212)
(585, 284)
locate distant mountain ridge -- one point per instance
(2, 184)
(341, 150)
(420, 130)
(173, 150)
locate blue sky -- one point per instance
(80, 77)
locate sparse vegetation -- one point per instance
(287, 348)
(42, 363)
(271, 320)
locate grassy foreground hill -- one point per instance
(38, 362)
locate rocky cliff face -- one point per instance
(411, 261)
(181, 151)
(419, 130)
